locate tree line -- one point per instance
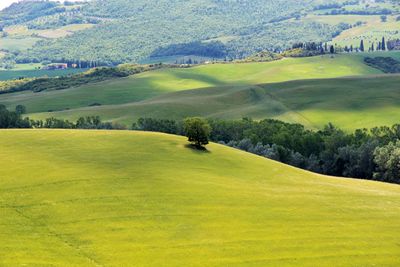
(372, 154)
(14, 119)
(385, 64)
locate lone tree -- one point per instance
(332, 49)
(197, 130)
(20, 109)
(383, 44)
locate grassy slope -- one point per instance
(31, 73)
(17, 44)
(347, 102)
(89, 198)
(151, 84)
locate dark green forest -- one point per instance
(128, 31)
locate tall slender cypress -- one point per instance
(383, 44)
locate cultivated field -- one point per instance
(152, 84)
(103, 198)
(16, 74)
(312, 103)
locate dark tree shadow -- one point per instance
(196, 148)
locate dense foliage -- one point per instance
(385, 64)
(29, 10)
(208, 49)
(197, 130)
(132, 30)
(365, 154)
(263, 56)
(14, 119)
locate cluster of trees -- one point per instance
(70, 63)
(379, 46)
(213, 49)
(90, 122)
(242, 26)
(335, 5)
(193, 61)
(15, 119)
(309, 49)
(393, 44)
(366, 11)
(263, 56)
(385, 64)
(366, 154)
(30, 10)
(7, 61)
(313, 48)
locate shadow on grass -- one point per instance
(197, 149)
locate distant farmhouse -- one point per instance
(56, 66)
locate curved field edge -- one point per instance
(117, 198)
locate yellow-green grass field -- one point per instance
(151, 84)
(104, 198)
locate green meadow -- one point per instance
(351, 103)
(28, 71)
(119, 198)
(119, 97)
(17, 44)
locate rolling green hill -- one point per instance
(114, 94)
(257, 90)
(101, 198)
(351, 103)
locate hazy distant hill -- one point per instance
(126, 30)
